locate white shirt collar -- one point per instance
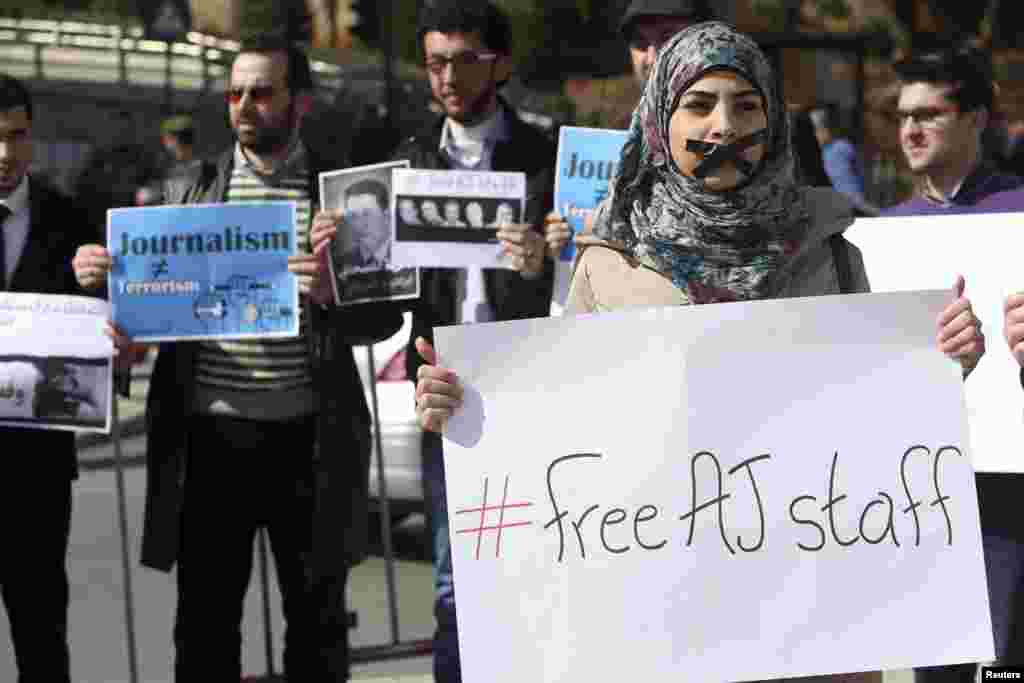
(17, 201)
(470, 146)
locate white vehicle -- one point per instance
(400, 432)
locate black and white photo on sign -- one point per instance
(54, 391)
(453, 219)
(450, 219)
(360, 256)
(55, 362)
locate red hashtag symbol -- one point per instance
(501, 525)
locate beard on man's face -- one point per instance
(265, 137)
(473, 111)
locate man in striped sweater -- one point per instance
(261, 433)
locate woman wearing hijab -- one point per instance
(705, 208)
(683, 227)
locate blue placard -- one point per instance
(587, 159)
(204, 271)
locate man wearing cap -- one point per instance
(945, 101)
(648, 24)
(177, 135)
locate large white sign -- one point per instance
(713, 493)
(902, 254)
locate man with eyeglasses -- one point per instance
(945, 102)
(466, 46)
(244, 435)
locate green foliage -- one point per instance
(836, 9)
(889, 32)
(772, 10)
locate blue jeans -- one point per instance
(446, 637)
(1002, 538)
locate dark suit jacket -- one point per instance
(56, 229)
(512, 296)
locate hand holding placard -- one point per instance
(438, 391)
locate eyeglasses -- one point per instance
(257, 93)
(463, 60)
(926, 117)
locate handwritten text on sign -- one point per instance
(732, 492)
(596, 527)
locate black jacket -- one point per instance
(343, 429)
(57, 227)
(512, 296)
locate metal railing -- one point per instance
(121, 54)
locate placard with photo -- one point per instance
(450, 219)
(55, 362)
(360, 256)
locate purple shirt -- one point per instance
(976, 195)
(1002, 202)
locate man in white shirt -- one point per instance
(466, 46)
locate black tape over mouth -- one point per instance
(716, 155)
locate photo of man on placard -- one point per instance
(464, 219)
(53, 391)
(452, 212)
(366, 212)
(361, 256)
(408, 213)
(428, 209)
(505, 214)
(475, 214)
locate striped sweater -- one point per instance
(261, 379)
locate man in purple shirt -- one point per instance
(946, 99)
(944, 106)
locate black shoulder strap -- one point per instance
(841, 258)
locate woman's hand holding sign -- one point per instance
(960, 335)
(438, 390)
(557, 233)
(1013, 325)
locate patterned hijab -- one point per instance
(715, 246)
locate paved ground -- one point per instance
(97, 616)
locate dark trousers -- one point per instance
(35, 509)
(1002, 537)
(447, 665)
(243, 475)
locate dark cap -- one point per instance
(177, 124)
(695, 10)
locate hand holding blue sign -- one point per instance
(524, 245)
(557, 233)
